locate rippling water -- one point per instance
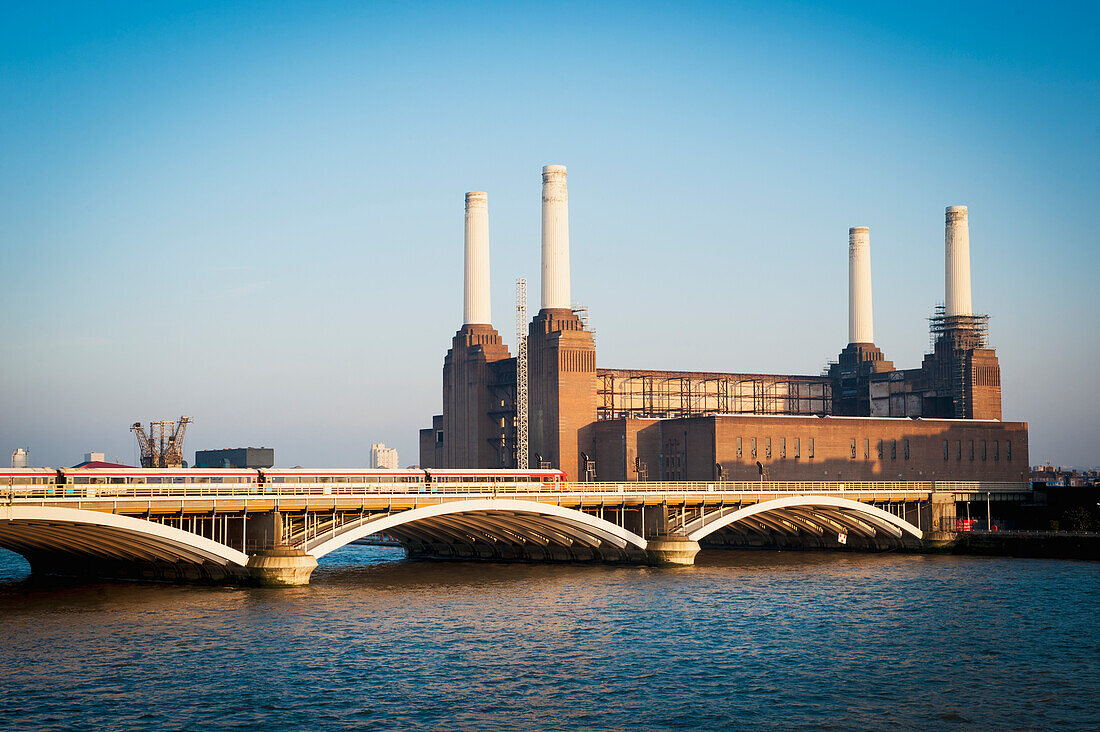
(743, 639)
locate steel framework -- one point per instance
(521, 373)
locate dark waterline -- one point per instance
(743, 639)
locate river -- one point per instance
(744, 639)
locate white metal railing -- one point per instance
(40, 493)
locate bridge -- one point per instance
(273, 533)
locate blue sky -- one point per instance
(251, 213)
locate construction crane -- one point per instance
(521, 373)
(163, 447)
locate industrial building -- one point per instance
(235, 457)
(863, 419)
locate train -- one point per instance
(87, 482)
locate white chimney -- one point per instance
(957, 263)
(555, 238)
(475, 306)
(860, 325)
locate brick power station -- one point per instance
(862, 420)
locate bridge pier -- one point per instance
(671, 550)
(281, 567)
(941, 509)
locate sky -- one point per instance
(252, 213)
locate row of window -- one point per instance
(157, 480)
(984, 449)
(344, 479)
(796, 445)
(883, 446)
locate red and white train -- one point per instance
(75, 482)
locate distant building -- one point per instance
(235, 457)
(21, 457)
(94, 457)
(383, 457)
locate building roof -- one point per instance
(100, 464)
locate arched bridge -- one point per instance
(274, 535)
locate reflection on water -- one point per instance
(743, 639)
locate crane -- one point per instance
(163, 446)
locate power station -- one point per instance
(863, 419)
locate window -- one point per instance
(880, 449)
(853, 448)
(866, 449)
(946, 449)
(797, 449)
(739, 447)
(783, 448)
(1008, 450)
(810, 448)
(983, 449)
(752, 443)
(972, 450)
(996, 449)
(893, 449)
(439, 437)
(768, 448)
(907, 449)
(958, 449)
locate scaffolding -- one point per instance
(521, 373)
(670, 394)
(954, 337)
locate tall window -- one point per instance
(906, 449)
(946, 450)
(782, 448)
(880, 449)
(767, 448)
(866, 449)
(972, 451)
(752, 443)
(739, 447)
(797, 449)
(893, 449)
(1008, 450)
(996, 449)
(810, 448)
(983, 449)
(853, 448)
(958, 449)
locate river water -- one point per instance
(745, 639)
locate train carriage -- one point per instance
(465, 480)
(142, 482)
(28, 482)
(341, 480)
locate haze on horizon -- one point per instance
(253, 214)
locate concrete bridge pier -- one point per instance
(281, 567)
(941, 515)
(671, 550)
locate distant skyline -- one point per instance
(252, 214)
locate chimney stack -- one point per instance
(957, 263)
(475, 306)
(555, 239)
(860, 324)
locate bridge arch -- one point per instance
(61, 534)
(488, 521)
(814, 514)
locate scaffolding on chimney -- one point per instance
(960, 334)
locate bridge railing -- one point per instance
(137, 491)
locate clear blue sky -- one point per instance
(251, 213)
